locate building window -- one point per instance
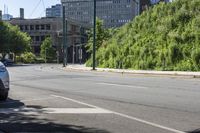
(37, 27)
(48, 27)
(32, 38)
(42, 38)
(42, 27)
(82, 40)
(31, 27)
(26, 27)
(37, 38)
(37, 49)
(21, 27)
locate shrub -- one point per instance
(28, 57)
(165, 37)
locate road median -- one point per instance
(127, 71)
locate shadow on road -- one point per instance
(24, 122)
(10, 103)
(195, 131)
(19, 65)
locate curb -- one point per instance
(144, 72)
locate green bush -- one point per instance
(18, 59)
(47, 52)
(165, 37)
(28, 57)
(196, 58)
(39, 60)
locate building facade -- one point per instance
(115, 13)
(21, 10)
(6, 17)
(39, 29)
(157, 1)
(54, 11)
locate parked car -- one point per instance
(4, 82)
(7, 62)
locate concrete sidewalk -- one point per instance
(126, 71)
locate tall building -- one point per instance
(54, 11)
(157, 1)
(6, 17)
(21, 13)
(115, 13)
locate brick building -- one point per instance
(39, 29)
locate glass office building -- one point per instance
(156, 1)
(6, 17)
(115, 13)
(54, 11)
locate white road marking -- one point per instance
(76, 101)
(35, 111)
(121, 85)
(76, 111)
(124, 115)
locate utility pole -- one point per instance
(138, 7)
(64, 39)
(94, 37)
(45, 55)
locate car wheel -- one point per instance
(3, 96)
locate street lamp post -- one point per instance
(138, 7)
(64, 39)
(45, 55)
(94, 36)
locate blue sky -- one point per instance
(28, 5)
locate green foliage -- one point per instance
(102, 35)
(196, 57)
(165, 37)
(27, 57)
(13, 40)
(39, 60)
(47, 51)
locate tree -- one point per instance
(102, 35)
(47, 52)
(13, 40)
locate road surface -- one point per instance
(44, 98)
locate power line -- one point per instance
(35, 8)
(44, 8)
(43, 4)
(43, 11)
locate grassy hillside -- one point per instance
(165, 37)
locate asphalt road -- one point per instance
(44, 98)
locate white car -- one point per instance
(4, 82)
